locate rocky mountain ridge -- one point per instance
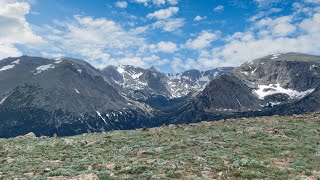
(69, 96)
(142, 84)
(275, 84)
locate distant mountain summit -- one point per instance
(64, 95)
(69, 96)
(276, 84)
(142, 84)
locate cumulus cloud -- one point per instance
(121, 4)
(203, 40)
(313, 1)
(218, 8)
(100, 41)
(281, 26)
(169, 25)
(266, 3)
(296, 32)
(163, 13)
(302, 36)
(15, 30)
(263, 14)
(199, 18)
(157, 2)
(165, 47)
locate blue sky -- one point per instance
(172, 35)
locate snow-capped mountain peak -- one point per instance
(144, 83)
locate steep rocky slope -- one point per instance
(66, 96)
(143, 84)
(275, 84)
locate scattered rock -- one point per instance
(54, 161)
(30, 135)
(141, 153)
(9, 160)
(109, 166)
(207, 175)
(281, 163)
(31, 174)
(46, 170)
(159, 149)
(44, 137)
(80, 177)
(172, 126)
(198, 158)
(69, 141)
(83, 142)
(299, 116)
(308, 178)
(175, 167)
(127, 169)
(151, 161)
(86, 143)
(160, 176)
(145, 129)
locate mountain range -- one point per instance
(69, 96)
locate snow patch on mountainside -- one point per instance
(176, 85)
(271, 89)
(204, 79)
(104, 120)
(313, 67)
(4, 68)
(2, 101)
(120, 69)
(43, 68)
(16, 61)
(275, 56)
(10, 66)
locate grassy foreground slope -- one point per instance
(263, 148)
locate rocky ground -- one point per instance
(258, 148)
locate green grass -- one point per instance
(257, 148)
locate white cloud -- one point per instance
(311, 25)
(8, 50)
(298, 32)
(204, 40)
(199, 18)
(312, 1)
(218, 8)
(98, 40)
(121, 4)
(169, 25)
(276, 40)
(163, 13)
(173, 2)
(157, 2)
(281, 26)
(263, 14)
(266, 3)
(145, 2)
(15, 30)
(164, 46)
